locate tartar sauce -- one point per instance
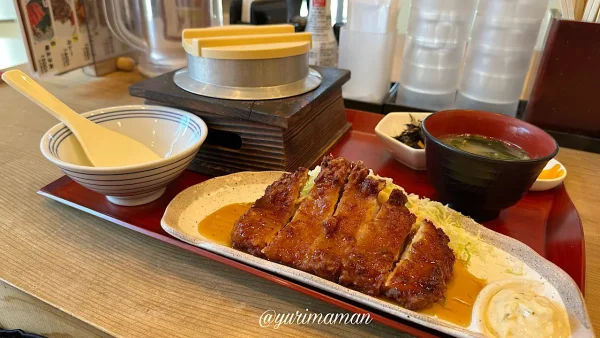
(519, 312)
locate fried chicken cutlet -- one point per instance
(257, 227)
(424, 270)
(292, 243)
(357, 205)
(378, 245)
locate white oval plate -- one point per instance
(188, 208)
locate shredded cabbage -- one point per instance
(463, 244)
(311, 182)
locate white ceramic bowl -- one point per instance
(393, 124)
(547, 184)
(172, 133)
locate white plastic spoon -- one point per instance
(103, 147)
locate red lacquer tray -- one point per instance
(546, 221)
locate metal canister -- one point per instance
(247, 63)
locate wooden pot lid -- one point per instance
(211, 32)
(259, 51)
(246, 42)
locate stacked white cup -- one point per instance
(433, 52)
(502, 40)
(367, 45)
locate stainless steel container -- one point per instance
(248, 73)
(254, 67)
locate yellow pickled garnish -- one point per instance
(421, 145)
(554, 172)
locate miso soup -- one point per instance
(486, 146)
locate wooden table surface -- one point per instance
(66, 273)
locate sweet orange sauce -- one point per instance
(218, 225)
(459, 297)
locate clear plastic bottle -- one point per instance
(499, 54)
(324, 50)
(367, 45)
(433, 51)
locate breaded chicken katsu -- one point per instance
(424, 270)
(357, 206)
(378, 245)
(257, 227)
(341, 231)
(292, 243)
